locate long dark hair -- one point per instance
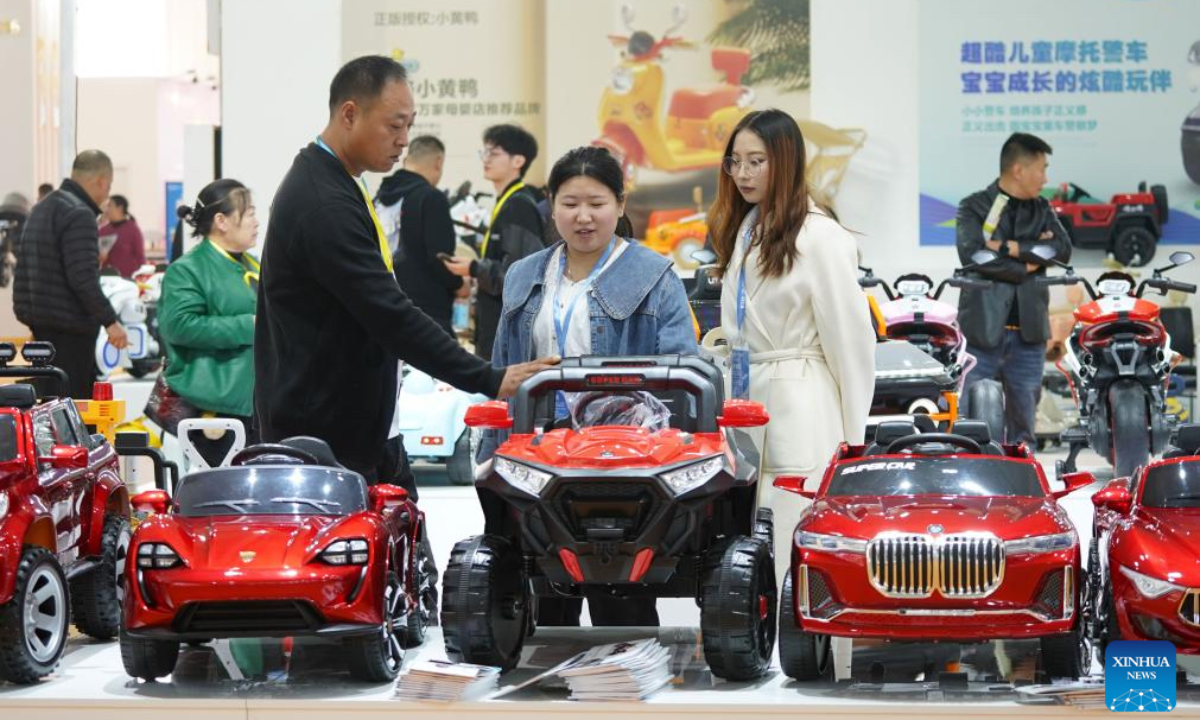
(226, 196)
(782, 211)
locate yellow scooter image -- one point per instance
(697, 123)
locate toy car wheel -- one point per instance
(148, 659)
(458, 466)
(1160, 203)
(96, 596)
(485, 602)
(1134, 245)
(426, 613)
(737, 609)
(377, 657)
(803, 655)
(1067, 656)
(1108, 626)
(33, 624)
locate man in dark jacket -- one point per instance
(1007, 324)
(416, 217)
(515, 231)
(56, 289)
(332, 321)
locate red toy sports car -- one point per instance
(933, 537)
(649, 491)
(1145, 558)
(64, 523)
(284, 542)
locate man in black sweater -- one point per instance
(56, 289)
(332, 321)
(416, 217)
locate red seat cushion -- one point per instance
(700, 104)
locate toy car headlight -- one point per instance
(1040, 544)
(622, 80)
(1149, 587)
(694, 475)
(157, 556)
(829, 543)
(522, 476)
(346, 552)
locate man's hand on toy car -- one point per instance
(514, 375)
(117, 337)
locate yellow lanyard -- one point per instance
(496, 211)
(384, 250)
(251, 267)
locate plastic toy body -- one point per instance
(432, 422)
(933, 537)
(136, 304)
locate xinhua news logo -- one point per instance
(1139, 676)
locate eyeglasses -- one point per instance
(491, 152)
(733, 166)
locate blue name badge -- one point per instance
(1139, 676)
(739, 373)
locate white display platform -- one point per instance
(314, 684)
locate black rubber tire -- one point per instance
(96, 595)
(1134, 242)
(1160, 203)
(458, 466)
(1111, 631)
(148, 659)
(378, 657)
(985, 401)
(426, 613)
(1129, 427)
(485, 603)
(738, 608)
(1189, 145)
(803, 655)
(17, 663)
(142, 367)
(1067, 656)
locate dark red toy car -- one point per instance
(1129, 225)
(1145, 558)
(933, 537)
(282, 543)
(609, 505)
(64, 523)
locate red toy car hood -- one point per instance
(276, 541)
(1009, 518)
(611, 447)
(1159, 541)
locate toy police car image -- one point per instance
(664, 509)
(1145, 559)
(282, 543)
(926, 537)
(64, 523)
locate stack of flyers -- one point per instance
(447, 681)
(621, 671)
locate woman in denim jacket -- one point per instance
(593, 293)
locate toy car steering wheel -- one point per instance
(908, 441)
(271, 453)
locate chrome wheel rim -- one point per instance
(45, 614)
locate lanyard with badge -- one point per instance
(562, 315)
(487, 236)
(384, 248)
(248, 264)
(739, 362)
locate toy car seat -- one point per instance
(1187, 442)
(316, 447)
(888, 432)
(978, 431)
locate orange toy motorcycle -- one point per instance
(698, 121)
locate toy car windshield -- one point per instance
(630, 409)
(963, 477)
(1173, 486)
(271, 491)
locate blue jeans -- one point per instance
(1018, 366)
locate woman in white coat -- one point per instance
(792, 311)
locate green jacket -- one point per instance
(206, 321)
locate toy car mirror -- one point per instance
(1074, 481)
(1181, 257)
(151, 501)
(794, 484)
(983, 257)
(1115, 496)
(742, 414)
(490, 415)
(704, 256)
(1046, 252)
(387, 496)
(68, 457)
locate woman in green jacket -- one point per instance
(206, 314)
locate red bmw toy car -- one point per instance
(284, 542)
(1145, 559)
(933, 537)
(64, 523)
(648, 492)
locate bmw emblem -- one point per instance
(935, 529)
